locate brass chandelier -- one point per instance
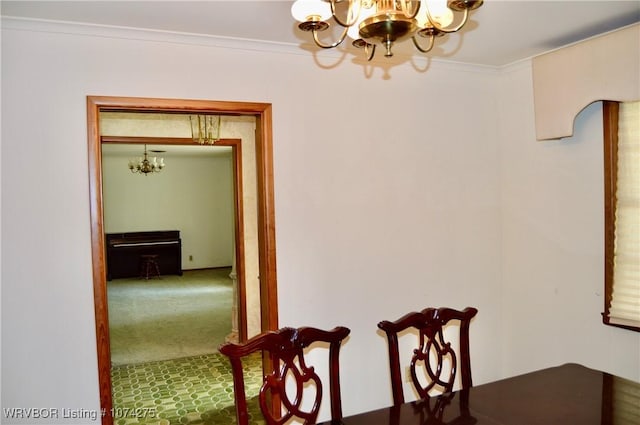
(384, 22)
(146, 165)
(205, 129)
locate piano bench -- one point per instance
(149, 266)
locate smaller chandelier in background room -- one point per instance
(146, 165)
(383, 22)
(205, 129)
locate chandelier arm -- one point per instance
(370, 51)
(432, 38)
(329, 46)
(405, 9)
(465, 18)
(354, 18)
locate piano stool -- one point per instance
(149, 266)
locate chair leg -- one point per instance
(149, 267)
(156, 268)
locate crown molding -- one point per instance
(142, 34)
(337, 55)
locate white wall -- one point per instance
(553, 242)
(390, 195)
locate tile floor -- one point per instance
(191, 391)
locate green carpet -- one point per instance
(164, 339)
(187, 391)
(170, 317)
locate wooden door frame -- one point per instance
(266, 215)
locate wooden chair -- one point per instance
(285, 349)
(433, 354)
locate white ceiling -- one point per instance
(501, 32)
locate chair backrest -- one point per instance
(434, 363)
(286, 350)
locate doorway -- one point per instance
(265, 208)
(171, 238)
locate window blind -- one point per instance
(625, 401)
(625, 301)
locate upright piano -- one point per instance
(124, 251)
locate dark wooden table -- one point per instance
(566, 395)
